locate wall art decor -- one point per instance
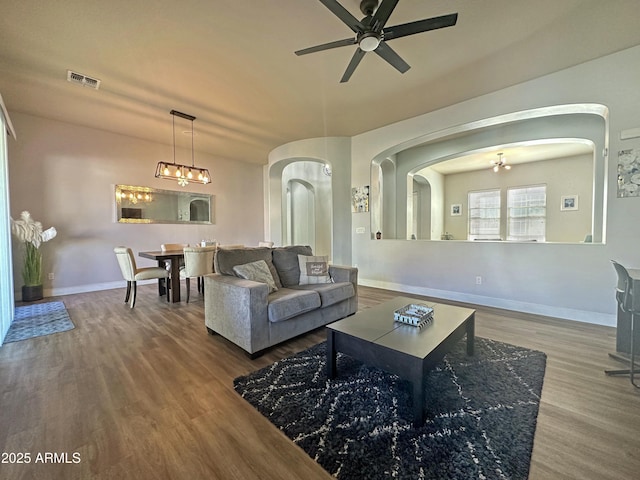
(629, 173)
(569, 202)
(456, 209)
(360, 199)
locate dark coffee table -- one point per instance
(373, 337)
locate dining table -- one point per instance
(175, 257)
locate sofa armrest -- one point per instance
(237, 309)
(342, 273)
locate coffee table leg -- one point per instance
(418, 398)
(331, 354)
(471, 332)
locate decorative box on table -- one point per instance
(415, 314)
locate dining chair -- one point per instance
(132, 273)
(198, 262)
(170, 247)
(173, 246)
(629, 304)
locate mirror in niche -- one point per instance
(414, 188)
(137, 204)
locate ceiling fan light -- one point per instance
(369, 42)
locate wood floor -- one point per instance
(148, 394)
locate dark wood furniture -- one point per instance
(623, 329)
(175, 257)
(373, 337)
(629, 304)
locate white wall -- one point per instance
(334, 151)
(64, 175)
(310, 217)
(573, 281)
(7, 311)
(566, 176)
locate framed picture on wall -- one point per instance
(456, 209)
(569, 202)
(360, 199)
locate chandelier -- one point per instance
(182, 173)
(500, 163)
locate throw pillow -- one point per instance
(226, 259)
(258, 272)
(285, 259)
(313, 269)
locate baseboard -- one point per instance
(584, 316)
(93, 287)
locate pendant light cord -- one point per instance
(173, 118)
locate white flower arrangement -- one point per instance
(29, 232)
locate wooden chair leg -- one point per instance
(133, 298)
(188, 289)
(168, 289)
(126, 297)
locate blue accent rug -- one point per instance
(481, 414)
(37, 320)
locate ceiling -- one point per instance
(231, 64)
(514, 154)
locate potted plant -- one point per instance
(30, 233)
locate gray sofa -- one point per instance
(249, 315)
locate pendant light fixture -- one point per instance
(500, 163)
(184, 174)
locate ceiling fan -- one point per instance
(371, 36)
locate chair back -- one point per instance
(198, 261)
(624, 295)
(265, 243)
(231, 246)
(173, 246)
(127, 262)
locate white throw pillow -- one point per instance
(313, 269)
(258, 272)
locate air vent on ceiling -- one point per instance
(80, 79)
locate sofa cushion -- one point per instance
(226, 259)
(313, 269)
(285, 260)
(330, 293)
(287, 303)
(258, 272)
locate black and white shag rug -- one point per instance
(481, 413)
(38, 319)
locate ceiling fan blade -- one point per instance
(382, 14)
(420, 26)
(339, 11)
(387, 53)
(326, 46)
(355, 60)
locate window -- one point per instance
(527, 212)
(484, 215)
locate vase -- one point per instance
(31, 293)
